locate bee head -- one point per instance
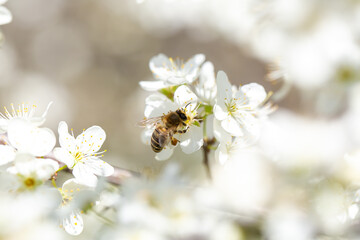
(181, 114)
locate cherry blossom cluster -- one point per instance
(293, 175)
(217, 110)
(29, 159)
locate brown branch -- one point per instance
(206, 151)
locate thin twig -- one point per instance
(206, 151)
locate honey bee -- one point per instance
(165, 128)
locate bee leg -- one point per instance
(174, 141)
(183, 131)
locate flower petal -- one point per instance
(28, 165)
(183, 96)
(207, 76)
(164, 154)
(3, 125)
(66, 140)
(91, 140)
(221, 154)
(73, 224)
(192, 140)
(255, 93)
(152, 85)
(45, 168)
(159, 66)
(5, 15)
(157, 104)
(27, 138)
(71, 186)
(64, 156)
(38, 121)
(224, 88)
(220, 112)
(191, 67)
(7, 154)
(250, 124)
(99, 167)
(146, 136)
(206, 88)
(84, 175)
(177, 80)
(232, 126)
(219, 132)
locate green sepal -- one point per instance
(169, 92)
(196, 123)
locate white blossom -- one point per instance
(169, 209)
(157, 105)
(32, 172)
(24, 112)
(239, 110)
(205, 87)
(81, 153)
(228, 145)
(73, 223)
(5, 14)
(27, 138)
(169, 72)
(23, 137)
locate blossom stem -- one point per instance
(206, 151)
(60, 169)
(53, 182)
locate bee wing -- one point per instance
(149, 122)
(165, 141)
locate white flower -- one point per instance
(168, 72)
(23, 111)
(80, 154)
(157, 105)
(205, 87)
(23, 137)
(239, 110)
(228, 146)
(27, 138)
(5, 14)
(32, 172)
(73, 223)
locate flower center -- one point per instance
(176, 65)
(29, 182)
(231, 106)
(78, 156)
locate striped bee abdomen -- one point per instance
(158, 139)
